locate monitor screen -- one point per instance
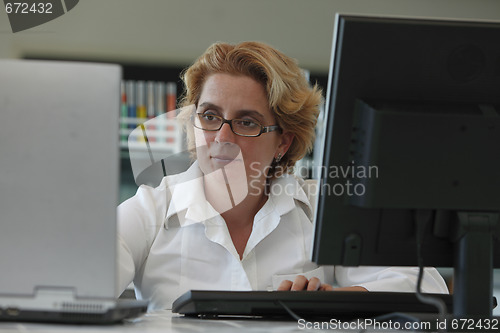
(412, 142)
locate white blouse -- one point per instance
(172, 240)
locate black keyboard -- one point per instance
(304, 304)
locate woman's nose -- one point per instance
(225, 134)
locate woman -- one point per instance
(237, 219)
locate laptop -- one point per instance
(345, 305)
(59, 189)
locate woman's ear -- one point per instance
(286, 141)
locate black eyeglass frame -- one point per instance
(263, 129)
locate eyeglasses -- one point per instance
(242, 127)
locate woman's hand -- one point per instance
(302, 283)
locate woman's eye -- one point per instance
(246, 123)
(209, 117)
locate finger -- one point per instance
(300, 283)
(314, 284)
(353, 288)
(325, 287)
(285, 285)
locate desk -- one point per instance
(164, 322)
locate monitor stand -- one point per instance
(473, 300)
(473, 273)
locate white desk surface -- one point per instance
(164, 322)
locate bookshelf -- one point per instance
(149, 131)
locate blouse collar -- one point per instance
(189, 205)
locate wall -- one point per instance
(177, 31)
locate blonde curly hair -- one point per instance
(292, 100)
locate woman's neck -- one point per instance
(238, 206)
(235, 197)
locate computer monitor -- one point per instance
(412, 139)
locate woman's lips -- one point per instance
(223, 159)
